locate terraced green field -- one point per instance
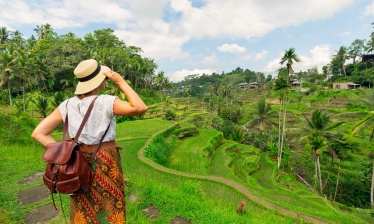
(195, 186)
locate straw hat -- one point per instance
(90, 75)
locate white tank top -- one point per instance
(97, 123)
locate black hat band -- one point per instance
(91, 76)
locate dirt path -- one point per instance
(230, 183)
(41, 214)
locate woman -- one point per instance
(105, 201)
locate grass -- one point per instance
(201, 201)
(16, 163)
(296, 198)
(188, 156)
(220, 162)
(198, 200)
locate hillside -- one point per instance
(205, 175)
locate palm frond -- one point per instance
(334, 126)
(362, 125)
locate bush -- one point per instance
(244, 160)
(311, 90)
(260, 139)
(120, 119)
(170, 115)
(159, 151)
(355, 107)
(273, 149)
(17, 128)
(198, 121)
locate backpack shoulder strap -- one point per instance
(84, 120)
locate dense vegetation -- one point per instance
(321, 137)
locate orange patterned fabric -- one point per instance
(105, 201)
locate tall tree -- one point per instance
(289, 58)
(4, 35)
(225, 91)
(262, 115)
(318, 133)
(342, 55)
(39, 29)
(356, 49)
(369, 47)
(282, 86)
(368, 100)
(43, 30)
(24, 66)
(7, 61)
(17, 38)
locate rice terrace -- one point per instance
(233, 147)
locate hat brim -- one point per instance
(85, 87)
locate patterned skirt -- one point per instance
(105, 201)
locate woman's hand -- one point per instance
(135, 106)
(115, 77)
(43, 130)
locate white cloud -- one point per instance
(179, 75)
(369, 9)
(156, 41)
(163, 27)
(63, 14)
(256, 56)
(273, 66)
(320, 56)
(246, 19)
(231, 48)
(261, 55)
(181, 5)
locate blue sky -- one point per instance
(204, 36)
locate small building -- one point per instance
(345, 85)
(166, 91)
(294, 82)
(243, 85)
(368, 58)
(254, 85)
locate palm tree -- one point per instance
(340, 151)
(42, 104)
(342, 55)
(43, 30)
(23, 67)
(40, 31)
(369, 47)
(187, 91)
(368, 100)
(282, 87)
(319, 135)
(58, 98)
(6, 69)
(148, 70)
(17, 38)
(4, 34)
(225, 91)
(262, 115)
(238, 135)
(290, 57)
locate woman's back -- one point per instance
(97, 123)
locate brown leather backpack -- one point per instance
(67, 171)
